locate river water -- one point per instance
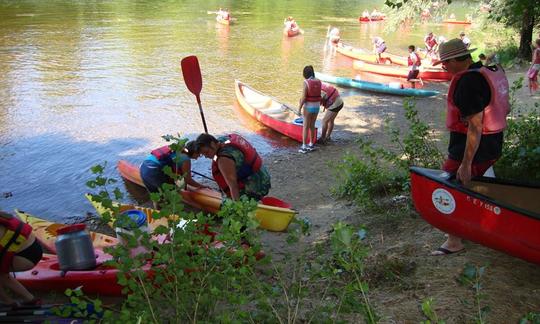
(91, 82)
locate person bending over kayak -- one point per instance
(236, 166)
(19, 251)
(332, 103)
(152, 168)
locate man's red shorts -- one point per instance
(477, 169)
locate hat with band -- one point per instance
(452, 49)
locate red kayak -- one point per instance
(502, 215)
(46, 276)
(291, 32)
(269, 111)
(370, 19)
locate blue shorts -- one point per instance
(312, 110)
(153, 176)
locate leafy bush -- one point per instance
(380, 170)
(521, 150)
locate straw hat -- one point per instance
(452, 49)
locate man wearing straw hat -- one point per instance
(477, 105)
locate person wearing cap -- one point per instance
(477, 106)
(465, 39)
(19, 251)
(152, 168)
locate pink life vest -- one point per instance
(537, 60)
(418, 60)
(494, 119)
(331, 95)
(313, 90)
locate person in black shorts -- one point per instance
(332, 104)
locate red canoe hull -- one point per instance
(46, 276)
(459, 211)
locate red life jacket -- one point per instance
(418, 60)
(494, 120)
(163, 153)
(331, 95)
(431, 41)
(252, 163)
(537, 60)
(313, 90)
(16, 233)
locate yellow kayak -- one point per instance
(272, 213)
(46, 232)
(152, 222)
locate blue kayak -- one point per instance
(388, 88)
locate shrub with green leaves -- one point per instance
(382, 171)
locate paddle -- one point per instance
(193, 80)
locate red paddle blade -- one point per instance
(192, 74)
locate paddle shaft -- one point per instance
(202, 114)
(202, 175)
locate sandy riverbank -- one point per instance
(512, 286)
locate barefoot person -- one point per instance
(476, 118)
(237, 168)
(332, 103)
(414, 62)
(19, 251)
(310, 103)
(532, 73)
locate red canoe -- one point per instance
(368, 19)
(46, 276)
(269, 111)
(426, 73)
(291, 32)
(502, 215)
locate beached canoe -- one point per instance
(426, 73)
(47, 276)
(46, 232)
(272, 213)
(269, 111)
(499, 214)
(366, 56)
(457, 22)
(371, 19)
(388, 88)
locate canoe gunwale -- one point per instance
(447, 181)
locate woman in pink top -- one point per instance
(532, 74)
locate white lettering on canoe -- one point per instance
(482, 204)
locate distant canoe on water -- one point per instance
(457, 22)
(387, 88)
(499, 214)
(371, 19)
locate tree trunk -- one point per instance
(527, 25)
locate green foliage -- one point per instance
(407, 12)
(428, 310)
(530, 318)
(471, 277)
(381, 171)
(521, 149)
